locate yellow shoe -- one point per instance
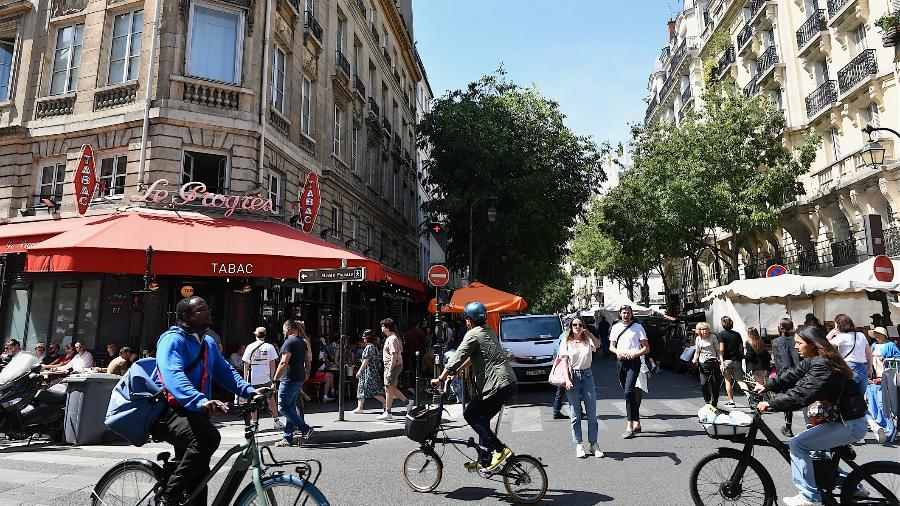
(472, 465)
(499, 458)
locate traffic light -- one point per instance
(438, 242)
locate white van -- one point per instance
(530, 341)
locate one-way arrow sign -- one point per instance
(332, 275)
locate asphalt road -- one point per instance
(651, 469)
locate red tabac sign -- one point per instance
(85, 179)
(309, 202)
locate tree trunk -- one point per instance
(645, 290)
(630, 288)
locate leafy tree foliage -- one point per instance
(555, 293)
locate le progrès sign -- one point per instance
(309, 202)
(194, 193)
(85, 179)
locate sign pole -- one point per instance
(342, 348)
(436, 347)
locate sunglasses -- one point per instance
(574, 325)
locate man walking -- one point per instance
(628, 341)
(392, 355)
(731, 349)
(260, 360)
(296, 359)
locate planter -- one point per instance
(891, 36)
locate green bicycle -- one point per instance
(136, 482)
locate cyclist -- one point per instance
(495, 383)
(823, 376)
(185, 423)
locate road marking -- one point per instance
(526, 419)
(55, 458)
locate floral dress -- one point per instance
(370, 381)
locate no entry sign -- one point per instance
(438, 275)
(884, 268)
(775, 270)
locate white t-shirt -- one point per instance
(631, 338)
(82, 362)
(259, 356)
(844, 343)
(580, 354)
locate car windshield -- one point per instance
(530, 329)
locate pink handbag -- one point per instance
(561, 374)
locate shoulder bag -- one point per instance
(561, 373)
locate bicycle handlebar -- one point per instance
(257, 402)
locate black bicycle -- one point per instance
(735, 476)
(523, 475)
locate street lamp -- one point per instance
(873, 153)
(491, 216)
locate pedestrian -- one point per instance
(236, 359)
(260, 360)
(392, 355)
(603, 335)
(759, 362)
(292, 372)
(786, 357)
(706, 356)
(560, 393)
(370, 373)
(854, 348)
(580, 345)
(628, 341)
(731, 349)
(811, 319)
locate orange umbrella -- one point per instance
(495, 301)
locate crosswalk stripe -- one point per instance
(526, 419)
(50, 458)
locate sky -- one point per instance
(594, 57)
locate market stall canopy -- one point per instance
(496, 301)
(195, 244)
(793, 285)
(865, 271)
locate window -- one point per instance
(835, 144)
(367, 236)
(311, 6)
(354, 228)
(112, 175)
(207, 168)
(7, 46)
(858, 37)
(274, 192)
(356, 69)
(278, 79)
(338, 132)
(383, 178)
(341, 32)
(872, 118)
(50, 184)
(336, 222)
(354, 146)
(371, 160)
(306, 107)
(216, 39)
(125, 48)
(372, 77)
(66, 59)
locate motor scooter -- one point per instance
(26, 409)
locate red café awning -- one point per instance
(196, 245)
(21, 236)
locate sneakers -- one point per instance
(786, 431)
(880, 434)
(861, 493)
(560, 416)
(277, 425)
(283, 442)
(799, 500)
(410, 404)
(325, 398)
(595, 449)
(579, 451)
(500, 458)
(306, 435)
(358, 411)
(730, 403)
(384, 416)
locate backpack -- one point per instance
(138, 400)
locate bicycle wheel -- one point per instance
(525, 479)
(422, 470)
(127, 484)
(283, 490)
(887, 474)
(709, 482)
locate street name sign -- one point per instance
(332, 275)
(884, 268)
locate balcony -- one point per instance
(359, 87)
(373, 108)
(815, 25)
(666, 88)
(385, 124)
(820, 99)
(651, 107)
(686, 95)
(57, 105)
(397, 77)
(375, 35)
(115, 95)
(752, 88)
(210, 94)
(407, 158)
(843, 15)
(725, 62)
(312, 27)
(859, 68)
(362, 8)
(342, 63)
(677, 58)
(807, 261)
(766, 62)
(387, 56)
(843, 253)
(744, 37)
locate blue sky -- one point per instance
(591, 56)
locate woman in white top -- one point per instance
(854, 347)
(579, 345)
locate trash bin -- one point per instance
(86, 403)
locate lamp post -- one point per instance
(491, 216)
(873, 153)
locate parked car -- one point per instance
(530, 341)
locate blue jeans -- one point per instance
(287, 404)
(821, 437)
(558, 399)
(860, 375)
(583, 389)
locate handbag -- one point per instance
(561, 373)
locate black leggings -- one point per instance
(479, 412)
(710, 381)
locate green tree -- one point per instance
(554, 295)
(496, 138)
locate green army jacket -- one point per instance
(489, 365)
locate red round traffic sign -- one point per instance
(438, 275)
(884, 268)
(775, 270)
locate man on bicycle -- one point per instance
(495, 383)
(188, 386)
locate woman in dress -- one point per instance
(579, 345)
(706, 356)
(759, 362)
(370, 374)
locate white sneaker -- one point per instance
(358, 411)
(579, 451)
(384, 416)
(410, 404)
(595, 449)
(880, 434)
(325, 398)
(799, 500)
(277, 425)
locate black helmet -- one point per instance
(476, 312)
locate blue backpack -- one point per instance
(138, 400)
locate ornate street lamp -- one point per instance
(873, 153)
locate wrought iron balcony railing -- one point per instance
(744, 36)
(815, 24)
(373, 106)
(360, 87)
(375, 34)
(385, 124)
(835, 5)
(767, 60)
(807, 261)
(387, 56)
(858, 69)
(755, 6)
(310, 23)
(843, 253)
(752, 88)
(362, 8)
(823, 96)
(677, 57)
(725, 61)
(892, 241)
(341, 61)
(686, 95)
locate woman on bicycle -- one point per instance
(821, 376)
(579, 345)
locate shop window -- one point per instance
(40, 310)
(274, 192)
(125, 47)
(50, 183)
(7, 48)
(16, 315)
(216, 42)
(207, 168)
(66, 59)
(88, 313)
(112, 175)
(64, 311)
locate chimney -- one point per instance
(671, 29)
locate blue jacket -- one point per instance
(176, 350)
